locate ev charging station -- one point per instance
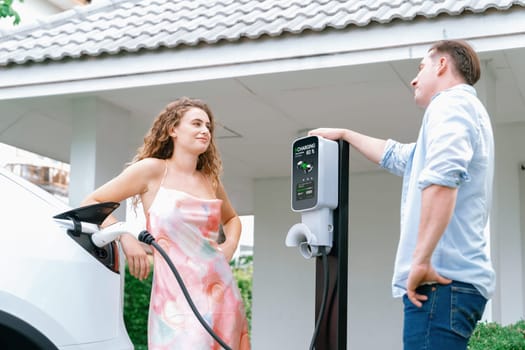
(320, 169)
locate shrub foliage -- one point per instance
(492, 336)
(136, 305)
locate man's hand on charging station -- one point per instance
(328, 133)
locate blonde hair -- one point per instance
(159, 144)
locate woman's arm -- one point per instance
(134, 180)
(231, 224)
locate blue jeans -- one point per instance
(446, 320)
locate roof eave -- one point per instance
(313, 50)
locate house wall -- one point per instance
(283, 282)
(507, 237)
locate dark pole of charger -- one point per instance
(333, 327)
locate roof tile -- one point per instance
(115, 26)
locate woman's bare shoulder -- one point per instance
(152, 167)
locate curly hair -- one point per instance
(159, 144)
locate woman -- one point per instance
(175, 175)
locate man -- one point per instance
(442, 270)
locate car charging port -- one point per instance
(78, 222)
(101, 253)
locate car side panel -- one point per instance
(48, 280)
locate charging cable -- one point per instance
(147, 238)
(322, 250)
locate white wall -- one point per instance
(284, 282)
(506, 233)
(375, 318)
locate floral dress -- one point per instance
(186, 227)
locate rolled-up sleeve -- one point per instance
(452, 133)
(395, 156)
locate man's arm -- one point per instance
(437, 207)
(372, 148)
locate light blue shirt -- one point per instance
(455, 148)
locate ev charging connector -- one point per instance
(315, 166)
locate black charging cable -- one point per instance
(147, 238)
(324, 298)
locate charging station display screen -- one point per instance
(304, 172)
(304, 190)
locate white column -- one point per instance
(522, 226)
(100, 146)
(486, 89)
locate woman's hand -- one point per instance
(138, 261)
(227, 250)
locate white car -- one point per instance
(57, 290)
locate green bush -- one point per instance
(244, 281)
(136, 303)
(492, 336)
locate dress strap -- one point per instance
(165, 172)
